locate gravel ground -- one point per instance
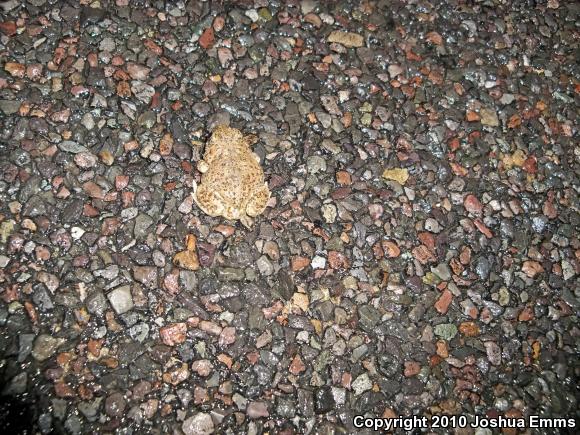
(419, 255)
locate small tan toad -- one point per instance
(232, 182)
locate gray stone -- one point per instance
(107, 44)
(17, 385)
(442, 271)
(199, 424)
(59, 408)
(308, 6)
(306, 402)
(142, 224)
(147, 119)
(115, 404)
(432, 225)
(73, 424)
(8, 107)
(369, 316)
(146, 275)
(41, 298)
(507, 99)
(230, 274)
(265, 266)
(257, 410)
(121, 299)
(142, 91)
(446, 331)
(359, 352)
(188, 279)
(324, 400)
(285, 408)
(330, 104)
(72, 211)
(489, 117)
(88, 121)
(45, 422)
(71, 146)
(110, 272)
(362, 384)
(493, 352)
(394, 70)
(4, 260)
(96, 303)
(316, 164)
(329, 213)
(90, 408)
(24, 346)
(482, 268)
(139, 332)
(286, 285)
(45, 347)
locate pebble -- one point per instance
(15, 69)
(421, 229)
(264, 266)
(115, 405)
(173, 334)
(369, 316)
(85, 159)
(4, 260)
(483, 268)
(9, 107)
(442, 271)
(507, 99)
(329, 213)
(199, 424)
(77, 232)
(297, 365)
(257, 410)
(202, 367)
(472, 204)
(400, 175)
(489, 117)
(432, 225)
(121, 299)
(318, 262)
(137, 72)
(146, 275)
(324, 400)
(96, 303)
(361, 384)
(348, 39)
(227, 336)
(316, 164)
(532, 268)
(142, 224)
(45, 346)
(72, 147)
(188, 259)
(493, 352)
(142, 91)
(394, 70)
(446, 331)
(442, 304)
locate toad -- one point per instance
(232, 182)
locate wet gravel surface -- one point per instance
(419, 255)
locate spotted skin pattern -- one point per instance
(232, 184)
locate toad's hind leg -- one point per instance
(247, 221)
(257, 203)
(208, 200)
